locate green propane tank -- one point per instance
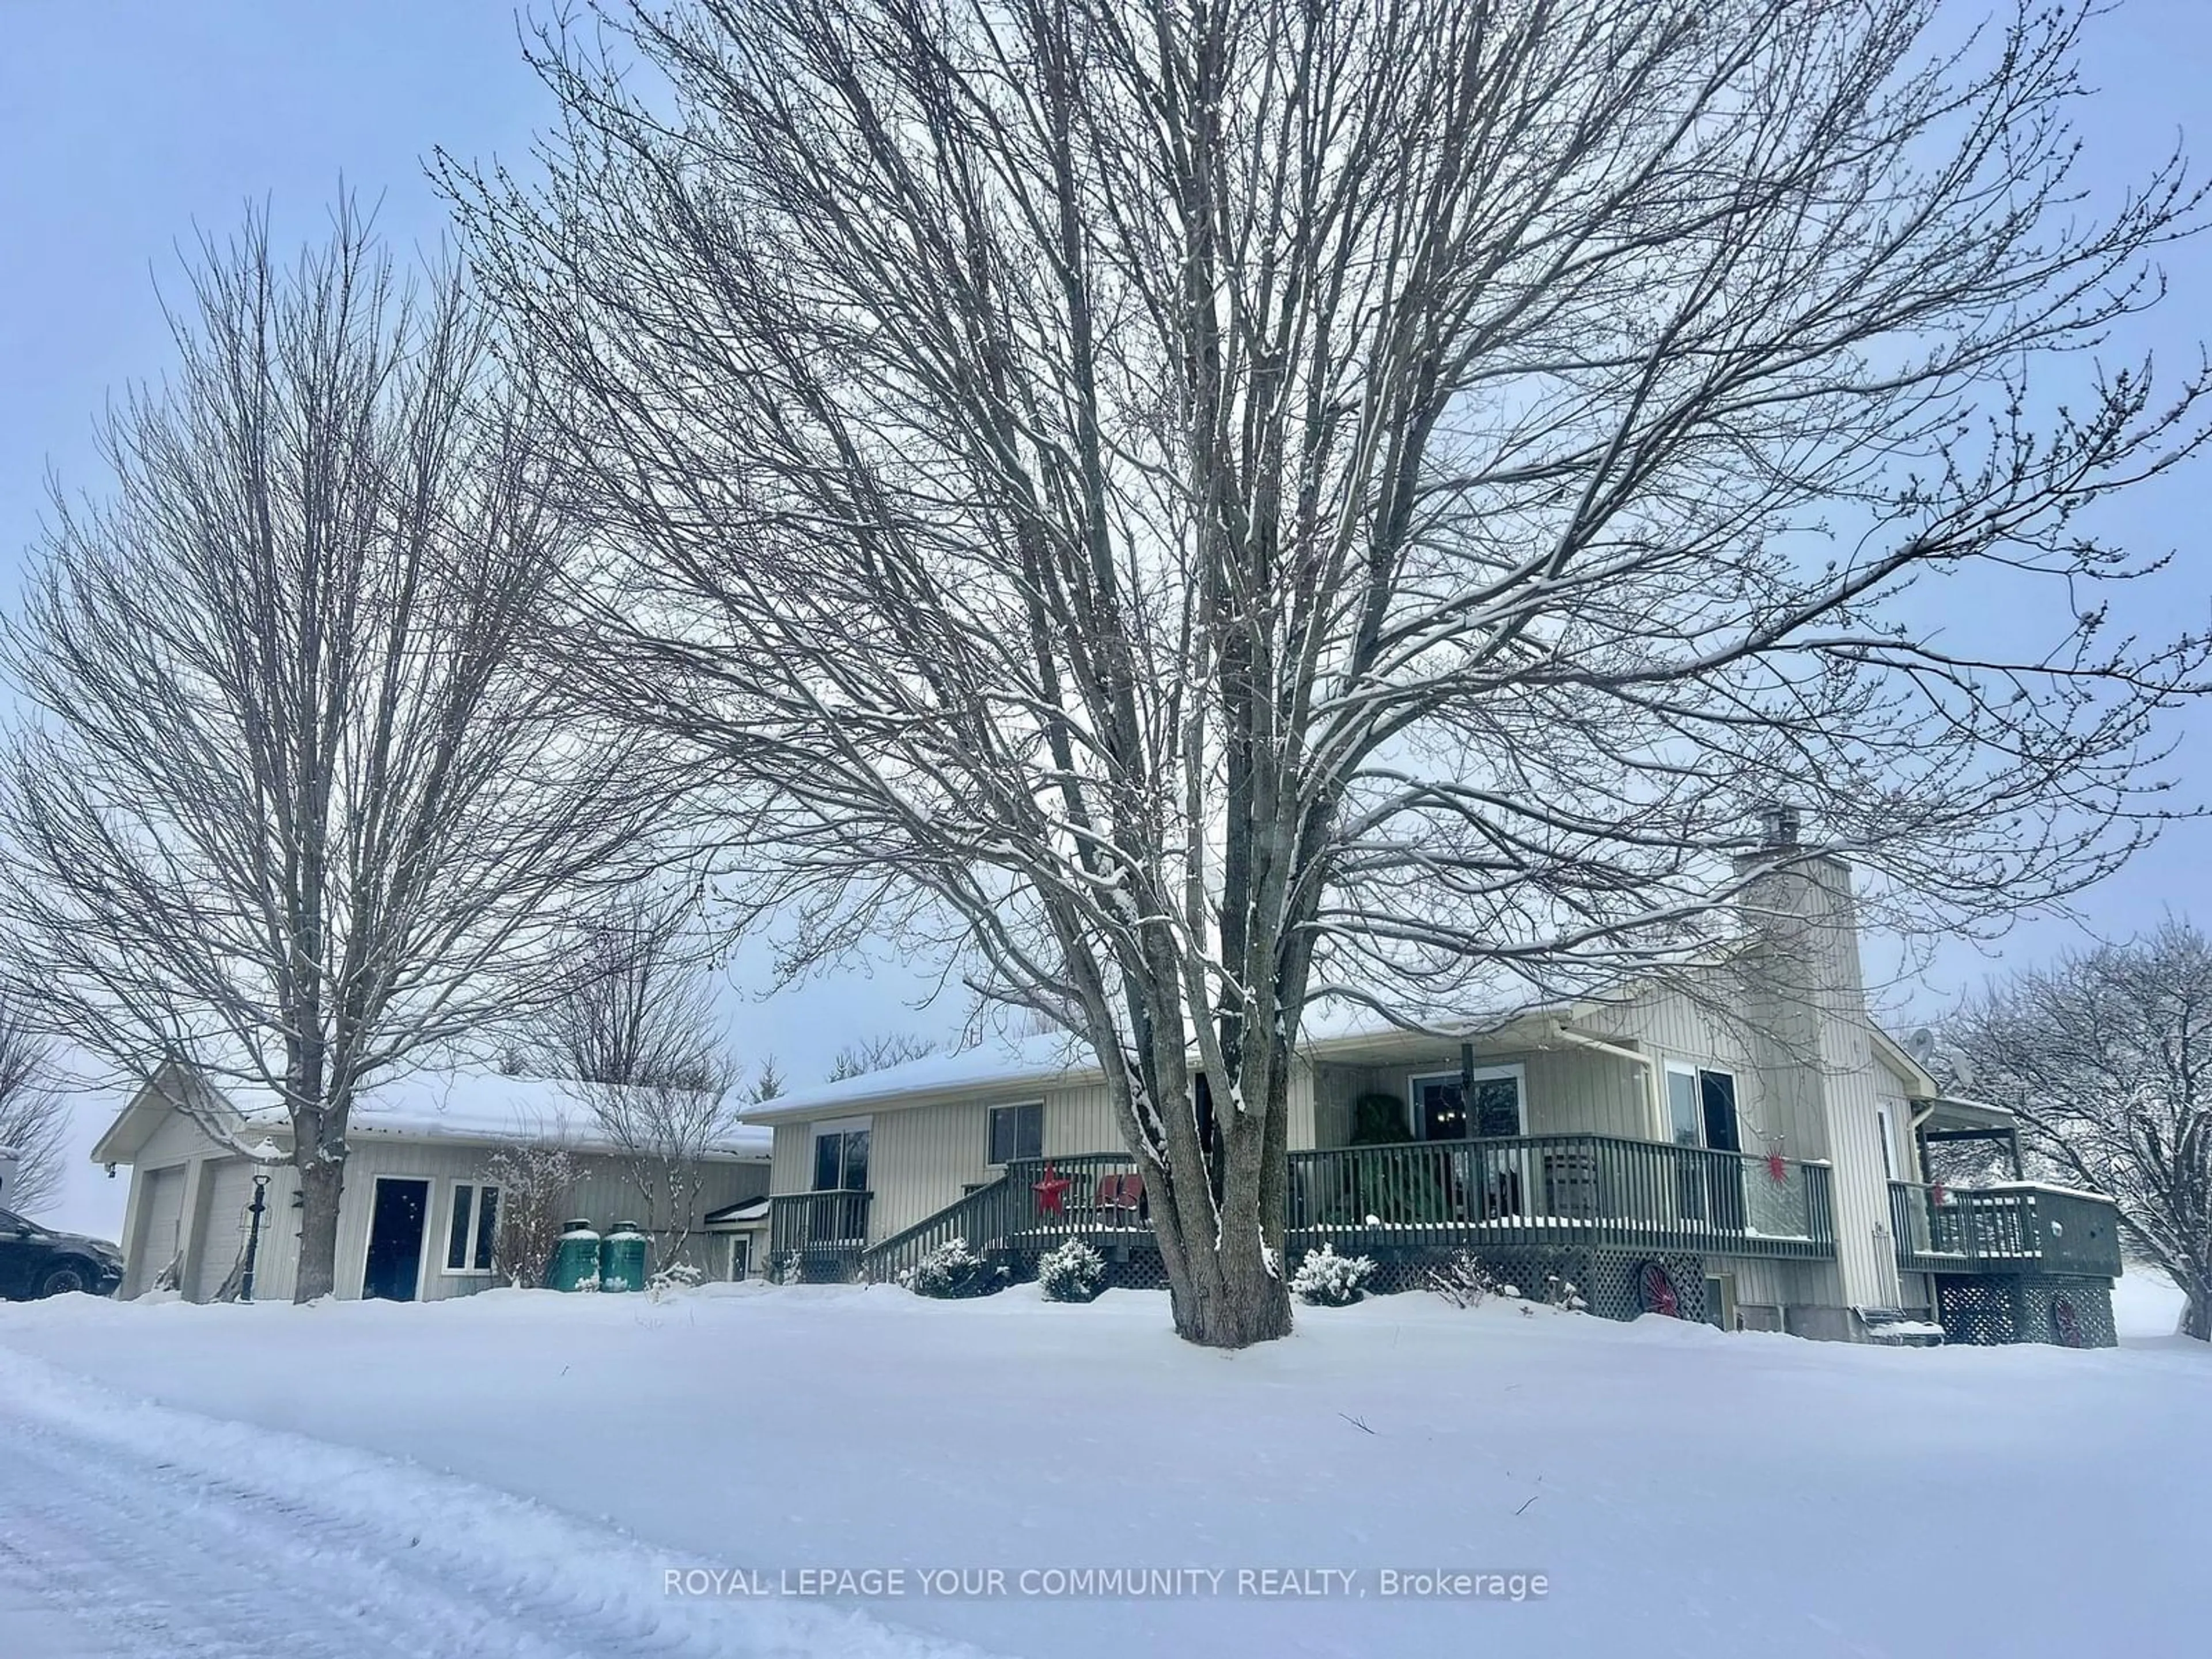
(623, 1258)
(575, 1258)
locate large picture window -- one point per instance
(1017, 1131)
(841, 1160)
(472, 1227)
(1443, 1110)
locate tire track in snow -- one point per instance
(165, 1535)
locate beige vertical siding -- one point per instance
(791, 1166)
(227, 1189)
(160, 1232)
(604, 1193)
(920, 1160)
(201, 1203)
(1565, 1092)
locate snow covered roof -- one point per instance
(472, 1104)
(1054, 1057)
(480, 1105)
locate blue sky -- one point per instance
(124, 125)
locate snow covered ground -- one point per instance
(519, 1473)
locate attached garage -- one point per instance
(228, 1185)
(418, 1214)
(161, 1234)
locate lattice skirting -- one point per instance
(1612, 1284)
(1128, 1266)
(2072, 1313)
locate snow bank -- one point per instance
(516, 1555)
(1682, 1491)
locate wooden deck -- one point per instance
(2019, 1228)
(1566, 1191)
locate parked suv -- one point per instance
(36, 1261)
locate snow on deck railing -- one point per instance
(1938, 1228)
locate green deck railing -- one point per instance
(1011, 1213)
(1561, 1189)
(819, 1235)
(1556, 1190)
(2012, 1229)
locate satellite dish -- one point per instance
(1938, 1057)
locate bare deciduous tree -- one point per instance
(634, 1024)
(33, 1113)
(290, 800)
(878, 1053)
(1201, 508)
(2106, 1059)
(631, 1003)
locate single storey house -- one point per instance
(1737, 1143)
(420, 1203)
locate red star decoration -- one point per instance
(1051, 1193)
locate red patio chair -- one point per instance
(1133, 1196)
(1109, 1199)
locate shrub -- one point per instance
(952, 1272)
(534, 1180)
(676, 1276)
(1464, 1282)
(1073, 1272)
(1326, 1279)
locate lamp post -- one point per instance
(263, 1156)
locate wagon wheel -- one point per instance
(2066, 1322)
(1655, 1290)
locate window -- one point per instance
(841, 1157)
(1716, 1094)
(1701, 1112)
(1682, 1105)
(1442, 1112)
(474, 1225)
(1887, 1130)
(1017, 1131)
(1701, 1108)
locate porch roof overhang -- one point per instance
(1938, 1116)
(741, 1216)
(1022, 1070)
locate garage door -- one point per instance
(229, 1191)
(160, 1234)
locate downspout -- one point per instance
(1559, 1033)
(1927, 1109)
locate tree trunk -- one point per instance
(2197, 1317)
(322, 1179)
(1224, 1297)
(1227, 1280)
